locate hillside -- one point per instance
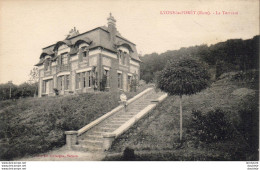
(36, 125)
(223, 57)
(156, 136)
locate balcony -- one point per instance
(47, 73)
(64, 67)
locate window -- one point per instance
(85, 54)
(106, 72)
(67, 79)
(129, 79)
(84, 79)
(119, 78)
(64, 59)
(89, 78)
(120, 56)
(47, 64)
(61, 82)
(77, 80)
(124, 58)
(43, 86)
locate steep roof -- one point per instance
(97, 37)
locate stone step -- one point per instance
(114, 126)
(120, 119)
(126, 116)
(93, 143)
(86, 148)
(108, 129)
(95, 132)
(92, 140)
(93, 137)
(117, 122)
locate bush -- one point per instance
(36, 125)
(212, 126)
(249, 124)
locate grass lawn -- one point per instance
(158, 132)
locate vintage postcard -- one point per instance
(132, 81)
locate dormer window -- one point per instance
(84, 52)
(124, 58)
(119, 54)
(64, 59)
(47, 64)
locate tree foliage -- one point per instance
(183, 77)
(17, 91)
(231, 55)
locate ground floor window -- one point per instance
(89, 78)
(129, 79)
(67, 80)
(47, 86)
(83, 80)
(60, 83)
(63, 82)
(119, 80)
(78, 80)
(106, 73)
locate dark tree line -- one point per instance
(17, 91)
(231, 55)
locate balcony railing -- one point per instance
(47, 72)
(64, 67)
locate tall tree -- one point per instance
(183, 77)
(34, 78)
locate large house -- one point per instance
(99, 59)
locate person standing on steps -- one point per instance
(123, 99)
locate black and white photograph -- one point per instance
(118, 80)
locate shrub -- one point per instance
(128, 154)
(36, 125)
(212, 126)
(249, 124)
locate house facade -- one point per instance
(99, 59)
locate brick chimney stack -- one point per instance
(111, 22)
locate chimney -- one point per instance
(111, 23)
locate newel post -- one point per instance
(108, 140)
(71, 138)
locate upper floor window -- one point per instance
(47, 64)
(64, 59)
(123, 57)
(83, 53)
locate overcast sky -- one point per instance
(28, 26)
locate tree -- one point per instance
(34, 78)
(183, 77)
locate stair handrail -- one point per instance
(118, 108)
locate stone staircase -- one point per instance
(92, 140)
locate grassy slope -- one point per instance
(159, 131)
(36, 125)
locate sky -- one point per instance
(28, 26)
